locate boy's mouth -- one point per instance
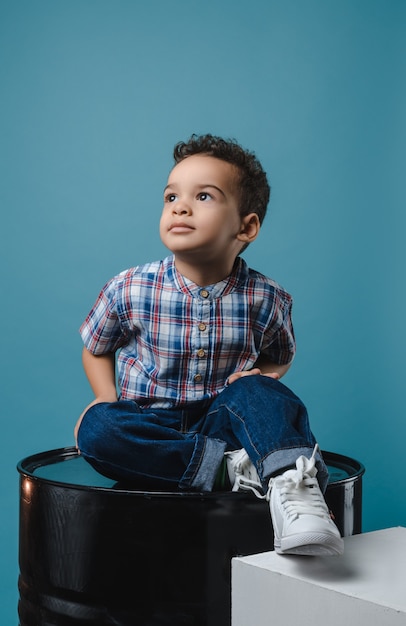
(180, 227)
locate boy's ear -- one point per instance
(249, 230)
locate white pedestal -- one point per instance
(364, 587)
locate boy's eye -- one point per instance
(171, 197)
(203, 196)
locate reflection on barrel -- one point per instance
(96, 553)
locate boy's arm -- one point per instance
(100, 371)
(263, 366)
(101, 374)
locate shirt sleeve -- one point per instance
(279, 343)
(101, 331)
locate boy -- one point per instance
(202, 341)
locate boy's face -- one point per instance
(200, 214)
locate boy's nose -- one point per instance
(181, 208)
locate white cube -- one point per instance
(366, 586)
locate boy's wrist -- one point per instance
(106, 397)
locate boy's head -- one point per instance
(253, 187)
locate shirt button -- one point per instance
(201, 353)
(202, 326)
(197, 378)
(204, 293)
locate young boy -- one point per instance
(202, 341)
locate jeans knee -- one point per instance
(94, 428)
(256, 383)
(263, 389)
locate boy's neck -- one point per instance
(204, 274)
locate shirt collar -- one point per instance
(238, 276)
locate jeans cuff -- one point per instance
(278, 461)
(204, 464)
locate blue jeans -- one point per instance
(174, 449)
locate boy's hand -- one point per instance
(263, 367)
(254, 372)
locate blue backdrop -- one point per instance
(94, 95)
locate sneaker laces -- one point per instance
(245, 475)
(299, 489)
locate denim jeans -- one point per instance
(174, 449)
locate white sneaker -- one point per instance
(301, 520)
(242, 473)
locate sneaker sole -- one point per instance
(310, 544)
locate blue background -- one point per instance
(95, 93)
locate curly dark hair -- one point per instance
(253, 184)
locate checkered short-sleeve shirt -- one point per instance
(177, 342)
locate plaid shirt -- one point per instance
(179, 342)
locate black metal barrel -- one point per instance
(96, 553)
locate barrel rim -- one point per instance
(27, 466)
